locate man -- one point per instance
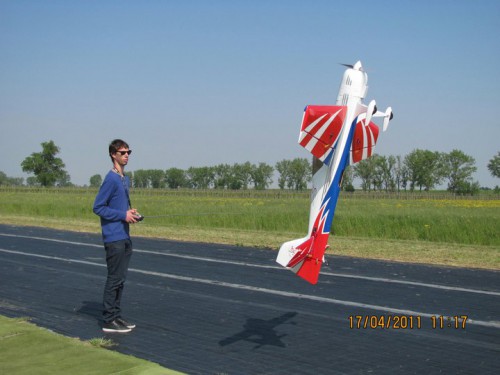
(112, 204)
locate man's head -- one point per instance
(119, 151)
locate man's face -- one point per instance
(121, 156)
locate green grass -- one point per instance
(413, 227)
(27, 349)
(471, 222)
(101, 342)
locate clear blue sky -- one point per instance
(195, 83)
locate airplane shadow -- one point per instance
(261, 332)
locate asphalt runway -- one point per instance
(215, 309)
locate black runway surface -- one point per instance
(215, 309)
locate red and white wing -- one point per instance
(320, 130)
(363, 141)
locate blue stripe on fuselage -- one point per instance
(334, 190)
(328, 159)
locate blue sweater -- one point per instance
(111, 204)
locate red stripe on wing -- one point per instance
(321, 126)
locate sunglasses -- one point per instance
(124, 152)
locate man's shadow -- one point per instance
(92, 309)
(261, 332)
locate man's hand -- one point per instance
(131, 216)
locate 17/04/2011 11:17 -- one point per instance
(405, 321)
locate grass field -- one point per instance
(461, 232)
(27, 349)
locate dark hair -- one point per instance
(115, 145)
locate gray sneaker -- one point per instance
(115, 326)
(123, 322)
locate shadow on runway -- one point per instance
(261, 332)
(92, 309)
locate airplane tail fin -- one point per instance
(304, 256)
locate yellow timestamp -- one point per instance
(442, 322)
(406, 321)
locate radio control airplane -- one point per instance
(336, 135)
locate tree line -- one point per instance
(422, 170)
(294, 174)
(419, 170)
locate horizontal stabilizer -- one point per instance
(387, 115)
(288, 251)
(320, 130)
(304, 256)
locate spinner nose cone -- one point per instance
(358, 66)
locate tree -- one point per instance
(379, 172)
(175, 178)
(3, 178)
(156, 178)
(141, 179)
(458, 168)
(131, 177)
(261, 176)
(294, 174)
(301, 174)
(388, 170)
(347, 179)
(200, 177)
(399, 173)
(32, 181)
(494, 165)
(10, 181)
(467, 188)
(223, 176)
(301, 169)
(64, 180)
(379, 164)
(243, 174)
(424, 169)
(365, 170)
(47, 168)
(283, 168)
(95, 180)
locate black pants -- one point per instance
(117, 258)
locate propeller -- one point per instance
(356, 66)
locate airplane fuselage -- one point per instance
(336, 135)
(327, 181)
